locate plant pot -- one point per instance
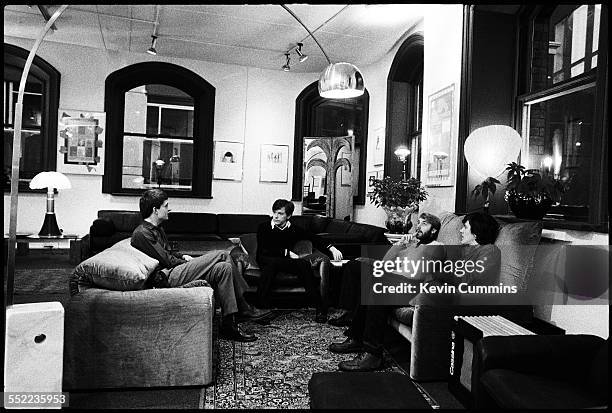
(398, 219)
(527, 206)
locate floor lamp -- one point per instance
(34, 333)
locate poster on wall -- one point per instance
(439, 142)
(228, 160)
(379, 146)
(80, 142)
(274, 163)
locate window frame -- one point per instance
(598, 219)
(203, 95)
(50, 78)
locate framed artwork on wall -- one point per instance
(80, 142)
(228, 160)
(439, 154)
(273, 163)
(371, 177)
(379, 146)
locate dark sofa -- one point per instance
(198, 232)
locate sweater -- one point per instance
(276, 243)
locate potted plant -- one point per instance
(529, 193)
(399, 198)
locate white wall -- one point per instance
(253, 106)
(442, 68)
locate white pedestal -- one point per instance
(34, 347)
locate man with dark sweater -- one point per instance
(275, 242)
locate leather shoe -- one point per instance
(347, 346)
(253, 314)
(343, 321)
(234, 333)
(363, 362)
(320, 316)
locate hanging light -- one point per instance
(298, 50)
(286, 66)
(151, 49)
(338, 80)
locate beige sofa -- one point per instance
(428, 328)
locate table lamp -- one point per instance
(51, 181)
(402, 155)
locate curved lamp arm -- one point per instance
(309, 32)
(16, 156)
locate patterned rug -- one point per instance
(273, 372)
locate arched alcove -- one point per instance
(308, 122)
(405, 107)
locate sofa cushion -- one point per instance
(120, 268)
(338, 238)
(240, 223)
(597, 379)
(102, 227)
(518, 243)
(124, 221)
(514, 390)
(98, 244)
(404, 315)
(338, 226)
(368, 233)
(302, 221)
(449, 230)
(191, 222)
(319, 224)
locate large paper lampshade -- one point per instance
(489, 149)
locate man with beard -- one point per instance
(368, 323)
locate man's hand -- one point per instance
(187, 257)
(405, 240)
(293, 255)
(335, 253)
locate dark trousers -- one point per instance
(271, 266)
(368, 326)
(350, 290)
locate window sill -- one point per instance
(551, 224)
(172, 194)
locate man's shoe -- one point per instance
(363, 362)
(234, 333)
(253, 314)
(321, 316)
(343, 321)
(347, 346)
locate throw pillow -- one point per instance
(121, 268)
(518, 243)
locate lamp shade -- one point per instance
(489, 149)
(51, 179)
(341, 81)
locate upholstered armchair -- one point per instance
(288, 284)
(541, 372)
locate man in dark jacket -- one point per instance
(275, 243)
(175, 269)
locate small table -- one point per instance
(466, 333)
(64, 241)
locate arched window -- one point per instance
(405, 107)
(159, 131)
(317, 116)
(40, 113)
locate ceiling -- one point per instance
(250, 35)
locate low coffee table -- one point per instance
(371, 390)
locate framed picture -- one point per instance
(371, 177)
(439, 152)
(379, 146)
(80, 142)
(273, 163)
(228, 160)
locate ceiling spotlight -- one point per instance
(286, 66)
(151, 49)
(303, 56)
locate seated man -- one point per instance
(174, 269)
(350, 291)
(275, 241)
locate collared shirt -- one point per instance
(152, 240)
(287, 225)
(273, 241)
